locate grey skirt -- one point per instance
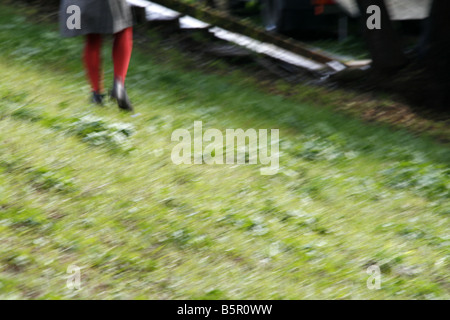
(94, 16)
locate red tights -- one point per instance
(123, 44)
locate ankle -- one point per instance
(120, 80)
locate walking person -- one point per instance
(96, 19)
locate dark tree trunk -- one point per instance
(384, 44)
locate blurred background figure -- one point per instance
(98, 18)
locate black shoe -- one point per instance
(120, 94)
(97, 98)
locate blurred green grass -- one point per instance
(348, 194)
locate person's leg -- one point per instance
(92, 61)
(123, 46)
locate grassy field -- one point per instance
(96, 188)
